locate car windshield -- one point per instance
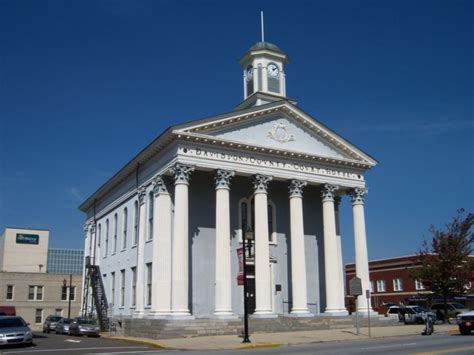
(12, 322)
(55, 319)
(66, 321)
(458, 305)
(418, 309)
(87, 321)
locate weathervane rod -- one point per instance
(261, 22)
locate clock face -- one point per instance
(273, 70)
(249, 73)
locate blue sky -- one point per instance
(85, 85)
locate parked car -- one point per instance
(62, 327)
(84, 326)
(465, 322)
(453, 310)
(414, 314)
(50, 323)
(14, 330)
(392, 312)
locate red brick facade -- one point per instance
(387, 271)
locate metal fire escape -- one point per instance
(99, 299)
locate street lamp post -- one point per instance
(246, 313)
(68, 294)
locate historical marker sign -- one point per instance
(355, 286)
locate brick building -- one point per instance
(391, 283)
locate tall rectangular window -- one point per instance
(134, 287)
(9, 293)
(150, 215)
(68, 293)
(115, 234)
(397, 285)
(39, 315)
(135, 223)
(381, 286)
(124, 237)
(419, 285)
(112, 291)
(99, 234)
(106, 237)
(122, 288)
(148, 284)
(35, 293)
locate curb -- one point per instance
(257, 346)
(152, 343)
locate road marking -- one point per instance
(73, 341)
(76, 349)
(446, 351)
(132, 352)
(388, 346)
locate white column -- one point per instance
(263, 302)
(360, 243)
(298, 259)
(223, 298)
(340, 264)
(331, 252)
(161, 267)
(180, 243)
(139, 304)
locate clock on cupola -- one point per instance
(264, 75)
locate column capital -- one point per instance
(160, 186)
(260, 183)
(92, 229)
(223, 178)
(86, 228)
(358, 194)
(296, 188)
(328, 192)
(141, 193)
(181, 173)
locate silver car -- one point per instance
(14, 330)
(62, 327)
(84, 326)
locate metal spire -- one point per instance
(262, 26)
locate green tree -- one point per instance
(446, 267)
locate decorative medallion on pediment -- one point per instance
(280, 133)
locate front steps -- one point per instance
(168, 329)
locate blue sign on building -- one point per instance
(27, 238)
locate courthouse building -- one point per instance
(166, 229)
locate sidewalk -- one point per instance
(225, 342)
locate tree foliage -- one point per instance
(446, 267)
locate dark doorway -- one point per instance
(251, 295)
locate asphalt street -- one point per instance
(416, 345)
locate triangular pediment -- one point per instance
(279, 128)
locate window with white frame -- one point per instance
(135, 223)
(68, 293)
(10, 293)
(122, 288)
(419, 285)
(381, 286)
(150, 215)
(148, 284)
(39, 315)
(35, 293)
(112, 288)
(133, 300)
(397, 284)
(106, 251)
(124, 236)
(114, 246)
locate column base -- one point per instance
(299, 314)
(224, 315)
(181, 315)
(335, 313)
(263, 314)
(138, 314)
(159, 315)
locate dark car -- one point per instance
(453, 310)
(50, 323)
(14, 330)
(62, 327)
(84, 326)
(465, 322)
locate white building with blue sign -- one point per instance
(164, 233)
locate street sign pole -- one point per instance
(246, 312)
(357, 316)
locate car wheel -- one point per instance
(465, 330)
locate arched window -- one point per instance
(150, 215)
(135, 223)
(114, 247)
(106, 251)
(124, 236)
